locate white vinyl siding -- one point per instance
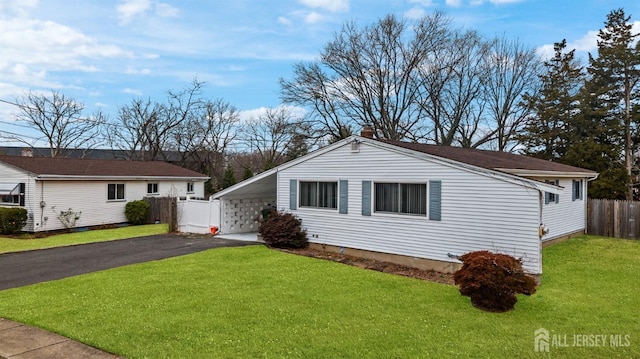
(80, 196)
(475, 211)
(566, 216)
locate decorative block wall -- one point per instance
(241, 215)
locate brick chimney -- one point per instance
(367, 132)
(27, 152)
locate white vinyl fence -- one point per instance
(198, 216)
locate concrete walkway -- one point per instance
(20, 341)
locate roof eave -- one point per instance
(548, 174)
(44, 177)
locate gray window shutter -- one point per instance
(557, 194)
(366, 198)
(435, 200)
(581, 184)
(547, 197)
(573, 190)
(344, 196)
(293, 194)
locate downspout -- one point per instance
(586, 201)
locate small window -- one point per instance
(190, 187)
(401, 198)
(552, 197)
(115, 191)
(12, 200)
(577, 190)
(319, 194)
(152, 188)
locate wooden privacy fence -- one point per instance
(164, 210)
(613, 218)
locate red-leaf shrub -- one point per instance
(283, 230)
(492, 280)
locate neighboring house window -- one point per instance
(12, 194)
(10, 200)
(152, 188)
(319, 194)
(551, 197)
(115, 191)
(190, 187)
(402, 198)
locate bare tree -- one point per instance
(276, 136)
(146, 129)
(204, 138)
(513, 71)
(368, 76)
(61, 122)
(451, 90)
(132, 131)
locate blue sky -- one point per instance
(105, 53)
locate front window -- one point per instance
(402, 198)
(115, 191)
(319, 194)
(152, 188)
(190, 187)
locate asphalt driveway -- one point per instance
(24, 268)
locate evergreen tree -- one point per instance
(248, 173)
(544, 135)
(229, 178)
(614, 77)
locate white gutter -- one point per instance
(548, 174)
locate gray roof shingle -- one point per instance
(493, 160)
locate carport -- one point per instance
(241, 205)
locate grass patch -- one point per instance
(66, 239)
(256, 302)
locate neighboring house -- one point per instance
(98, 189)
(417, 204)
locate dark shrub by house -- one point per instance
(137, 212)
(12, 220)
(283, 230)
(492, 280)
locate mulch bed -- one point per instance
(372, 264)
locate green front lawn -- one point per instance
(67, 239)
(256, 302)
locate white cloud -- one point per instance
(284, 21)
(132, 71)
(415, 13)
(313, 18)
(131, 91)
(32, 48)
(130, 9)
(545, 51)
(166, 10)
(454, 3)
(13, 9)
(500, 2)
(588, 42)
(330, 5)
(425, 3)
